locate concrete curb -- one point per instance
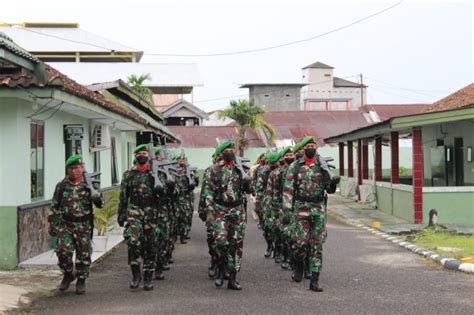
(446, 262)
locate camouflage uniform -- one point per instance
(260, 184)
(138, 206)
(286, 229)
(204, 213)
(223, 194)
(71, 221)
(164, 239)
(271, 207)
(182, 204)
(304, 197)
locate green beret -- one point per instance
(273, 157)
(74, 160)
(157, 150)
(302, 143)
(141, 147)
(224, 145)
(285, 151)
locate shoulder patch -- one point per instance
(289, 176)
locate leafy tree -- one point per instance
(247, 115)
(136, 82)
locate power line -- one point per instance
(402, 96)
(418, 91)
(234, 52)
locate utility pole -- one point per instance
(361, 90)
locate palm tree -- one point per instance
(136, 82)
(247, 115)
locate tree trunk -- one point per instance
(241, 141)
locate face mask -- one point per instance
(299, 155)
(310, 153)
(228, 157)
(142, 159)
(289, 160)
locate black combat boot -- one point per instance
(219, 281)
(233, 284)
(81, 286)
(166, 266)
(269, 250)
(136, 277)
(148, 280)
(182, 239)
(277, 255)
(298, 272)
(159, 272)
(314, 284)
(211, 272)
(307, 271)
(67, 279)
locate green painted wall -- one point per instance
(384, 199)
(452, 207)
(8, 237)
(403, 204)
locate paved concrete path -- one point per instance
(362, 274)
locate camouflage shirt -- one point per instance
(304, 187)
(202, 197)
(70, 199)
(224, 188)
(136, 190)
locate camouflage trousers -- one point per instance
(271, 227)
(141, 235)
(211, 242)
(189, 221)
(229, 230)
(74, 237)
(309, 236)
(259, 208)
(162, 236)
(182, 214)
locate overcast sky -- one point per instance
(418, 52)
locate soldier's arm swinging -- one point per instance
(123, 200)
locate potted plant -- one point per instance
(102, 223)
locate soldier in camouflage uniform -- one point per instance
(71, 222)
(304, 198)
(224, 192)
(138, 212)
(184, 188)
(268, 207)
(259, 185)
(207, 217)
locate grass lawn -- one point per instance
(432, 240)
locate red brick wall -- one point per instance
(417, 175)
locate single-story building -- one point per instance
(441, 176)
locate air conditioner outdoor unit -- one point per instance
(101, 137)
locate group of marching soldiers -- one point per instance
(290, 189)
(156, 205)
(155, 208)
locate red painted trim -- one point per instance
(350, 159)
(359, 162)
(365, 160)
(395, 178)
(417, 175)
(341, 158)
(378, 158)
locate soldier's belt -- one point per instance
(309, 199)
(229, 204)
(74, 219)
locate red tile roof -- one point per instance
(13, 77)
(459, 99)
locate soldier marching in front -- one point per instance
(224, 192)
(71, 222)
(304, 197)
(138, 213)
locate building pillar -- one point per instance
(359, 162)
(395, 178)
(341, 158)
(350, 159)
(365, 160)
(378, 158)
(417, 175)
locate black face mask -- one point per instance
(310, 153)
(289, 160)
(228, 157)
(282, 163)
(299, 155)
(142, 159)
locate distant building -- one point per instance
(183, 113)
(275, 96)
(323, 91)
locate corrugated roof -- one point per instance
(63, 39)
(386, 111)
(338, 82)
(319, 65)
(459, 99)
(8, 43)
(162, 74)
